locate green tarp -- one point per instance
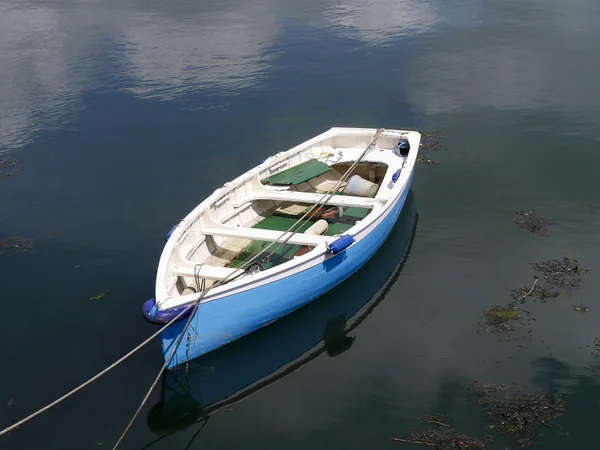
(283, 223)
(298, 174)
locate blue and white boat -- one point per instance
(279, 236)
(192, 393)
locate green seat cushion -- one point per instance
(298, 174)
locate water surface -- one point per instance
(125, 115)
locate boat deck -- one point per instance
(339, 219)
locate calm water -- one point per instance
(125, 114)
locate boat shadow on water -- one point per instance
(194, 391)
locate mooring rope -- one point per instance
(323, 200)
(193, 305)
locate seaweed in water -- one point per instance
(538, 292)
(565, 273)
(499, 318)
(425, 159)
(441, 436)
(533, 222)
(581, 308)
(489, 388)
(431, 140)
(15, 244)
(517, 413)
(99, 296)
(6, 167)
(556, 274)
(596, 349)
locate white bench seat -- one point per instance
(206, 272)
(256, 234)
(261, 192)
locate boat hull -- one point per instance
(325, 326)
(216, 323)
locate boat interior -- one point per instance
(253, 214)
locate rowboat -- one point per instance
(279, 236)
(324, 328)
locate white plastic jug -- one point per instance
(359, 186)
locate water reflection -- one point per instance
(222, 48)
(52, 53)
(484, 67)
(574, 428)
(37, 80)
(378, 21)
(381, 21)
(230, 374)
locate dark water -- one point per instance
(125, 114)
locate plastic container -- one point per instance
(357, 185)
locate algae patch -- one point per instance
(561, 273)
(532, 222)
(431, 140)
(100, 295)
(596, 348)
(7, 167)
(425, 159)
(499, 318)
(441, 435)
(555, 276)
(17, 245)
(511, 412)
(521, 414)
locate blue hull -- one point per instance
(325, 326)
(219, 322)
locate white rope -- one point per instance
(323, 200)
(327, 196)
(193, 305)
(160, 372)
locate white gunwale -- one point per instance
(241, 192)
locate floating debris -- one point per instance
(596, 349)
(6, 167)
(565, 273)
(499, 318)
(536, 292)
(442, 436)
(533, 222)
(16, 244)
(524, 443)
(425, 159)
(436, 419)
(100, 295)
(430, 140)
(10, 402)
(488, 388)
(581, 308)
(517, 413)
(55, 233)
